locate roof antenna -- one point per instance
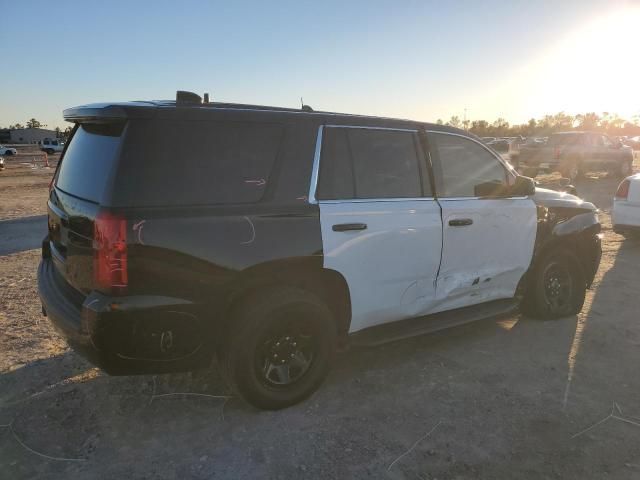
(303, 107)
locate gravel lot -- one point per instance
(510, 399)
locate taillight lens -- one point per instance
(556, 153)
(623, 190)
(110, 251)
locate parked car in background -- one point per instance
(633, 142)
(51, 145)
(625, 215)
(574, 153)
(8, 151)
(268, 236)
(500, 144)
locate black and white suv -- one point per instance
(183, 230)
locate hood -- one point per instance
(553, 198)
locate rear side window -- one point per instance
(566, 139)
(361, 163)
(89, 159)
(196, 163)
(465, 168)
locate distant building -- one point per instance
(25, 135)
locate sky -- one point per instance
(421, 60)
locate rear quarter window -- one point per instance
(167, 162)
(89, 160)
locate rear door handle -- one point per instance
(345, 227)
(460, 222)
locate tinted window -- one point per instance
(336, 168)
(466, 168)
(369, 163)
(88, 161)
(565, 139)
(196, 162)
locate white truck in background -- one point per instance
(51, 145)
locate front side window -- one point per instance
(465, 168)
(362, 163)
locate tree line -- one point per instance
(606, 122)
(33, 123)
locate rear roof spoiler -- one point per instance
(109, 112)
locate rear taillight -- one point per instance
(110, 251)
(623, 190)
(556, 153)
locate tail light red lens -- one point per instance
(556, 153)
(110, 251)
(623, 190)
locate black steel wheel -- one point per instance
(285, 353)
(279, 347)
(557, 287)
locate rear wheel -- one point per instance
(624, 169)
(281, 345)
(571, 170)
(558, 286)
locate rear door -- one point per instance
(381, 226)
(488, 238)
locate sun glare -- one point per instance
(594, 68)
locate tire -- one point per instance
(530, 172)
(547, 299)
(278, 325)
(571, 170)
(49, 151)
(624, 169)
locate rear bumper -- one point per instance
(125, 335)
(625, 215)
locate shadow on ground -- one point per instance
(22, 234)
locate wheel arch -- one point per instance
(306, 273)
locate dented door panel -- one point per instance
(485, 258)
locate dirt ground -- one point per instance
(512, 399)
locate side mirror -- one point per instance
(523, 187)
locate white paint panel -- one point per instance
(391, 266)
(484, 261)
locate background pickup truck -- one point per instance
(574, 153)
(51, 146)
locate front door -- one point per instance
(488, 239)
(381, 226)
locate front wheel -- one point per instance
(281, 344)
(625, 169)
(557, 288)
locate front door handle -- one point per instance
(345, 227)
(460, 222)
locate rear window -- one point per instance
(89, 159)
(167, 162)
(565, 139)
